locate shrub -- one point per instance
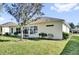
(7, 34)
(15, 33)
(65, 35)
(42, 35)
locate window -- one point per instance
(49, 25)
(11, 30)
(33, 29)
(18, 30)
(1, 29)
(25, 31)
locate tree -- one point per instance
(1, 8)
(24, 12)
(72, 25)
(77, 25)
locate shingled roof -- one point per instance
(49, 19)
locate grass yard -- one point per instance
(72, 47)
(9, 46)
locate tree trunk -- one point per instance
(21, 33)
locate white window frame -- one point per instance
(33, 30)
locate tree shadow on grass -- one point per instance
(72, 48)
(4, 40)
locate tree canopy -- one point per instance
(23, 12)
(72, 25)
(77, 25)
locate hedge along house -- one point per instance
(53, 27)
(8, 27)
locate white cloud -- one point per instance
(1, 18)
(76, 8)
(65, 7)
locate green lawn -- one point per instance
(72, 47)
(10, 46)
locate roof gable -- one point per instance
(8, 24)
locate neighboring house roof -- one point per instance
(8, 24)
(75, 29)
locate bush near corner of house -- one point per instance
(6, 34)
(65, 35)
(42, 35)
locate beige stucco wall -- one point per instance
(5, 29)
(65, 28)
(56, 30)
(8, 30)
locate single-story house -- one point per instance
(8, 27)
(48, 25)
(75, 30)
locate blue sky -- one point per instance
(68, 12)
